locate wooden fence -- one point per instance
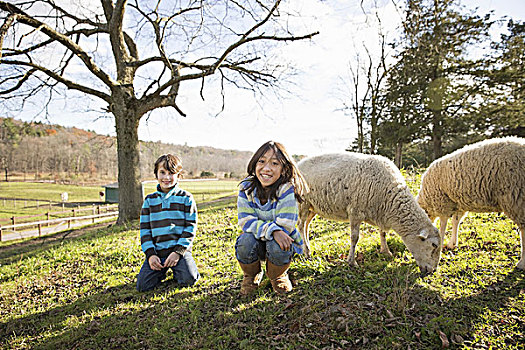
(97, 212)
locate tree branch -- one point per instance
(68, 83)
(3, 30)
(61, 38)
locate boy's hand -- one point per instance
(154, 263)
(172, 260)
(283, 240)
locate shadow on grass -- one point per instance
(28, 247)
(380, 304)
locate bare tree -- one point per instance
(367, 79)
(133, 56)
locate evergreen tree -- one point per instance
(430, 83)
(502, 111)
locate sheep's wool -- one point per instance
(362, 188)
(487, 176)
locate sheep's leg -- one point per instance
(456, 220)
(521, 263)
(305, 216)
(517, 214)
(443, 227)
(354, 237)
(307, 232)
(384, 245)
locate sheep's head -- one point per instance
(425, 246)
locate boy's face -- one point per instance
(268, 169)
(167, 180)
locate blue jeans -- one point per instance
(185, 273)
(248, 250)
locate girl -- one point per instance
(267, 212)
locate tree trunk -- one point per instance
(360, 133)
(437, 135)
(128, 154)
(399, 154)
(373, 133)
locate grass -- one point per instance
(203, 191)
(49, 191)
(79, 292)
(48, 196)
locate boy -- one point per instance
(168, 222)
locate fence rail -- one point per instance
(49, 222)
(94, 209)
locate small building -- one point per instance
(111, 192)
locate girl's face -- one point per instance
(167, 180)
(268, 169)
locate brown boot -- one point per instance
(278, 275)
(252, 277)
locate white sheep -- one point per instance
(488, 176)
(359, 188)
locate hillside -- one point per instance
(45, 151)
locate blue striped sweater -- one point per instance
(168, 222)
(262, 220)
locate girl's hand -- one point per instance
(172, 260)
(284, 241)
(154, 263)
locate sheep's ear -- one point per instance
(423, 234)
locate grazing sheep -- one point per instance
(488, 176)
(359, 188)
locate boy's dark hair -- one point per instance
(170, 162)
(290, 173)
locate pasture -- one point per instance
(203, 191)
(79, 292)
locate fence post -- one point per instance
(47, 214)
(39, 230)
(69, 224)
(93, 211)
(13, 220)
(73, 210)
(0, 233)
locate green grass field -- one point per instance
(203, 191)
(79, 292)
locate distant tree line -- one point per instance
(444, 83)
(39, 150)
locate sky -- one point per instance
(309, 120)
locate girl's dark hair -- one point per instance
(170, 162)
(290, 173)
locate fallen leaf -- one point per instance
(418, 335)
(458, 339)
(444, 340)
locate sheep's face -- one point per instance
(425, 246)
